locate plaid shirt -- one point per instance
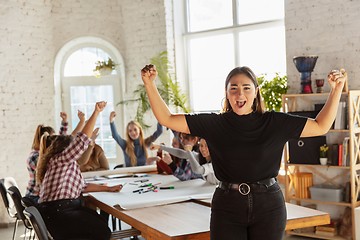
(33, 189)
(185, 173)
(63, 179)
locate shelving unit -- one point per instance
(290, 104)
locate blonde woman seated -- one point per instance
(93, 159)
(200, 163)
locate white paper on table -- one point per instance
(125, 170)
(183, 191)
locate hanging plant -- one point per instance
(168, 88)
(104, 67)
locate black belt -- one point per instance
(245, 188)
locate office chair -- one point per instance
(9, 204)
(16, 197)
(33, 216)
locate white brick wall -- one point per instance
(325, 28)
(31, 34)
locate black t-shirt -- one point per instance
(246, 148)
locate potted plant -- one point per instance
(323, 154)
(104, 67)
(271, 91)
(168, 88)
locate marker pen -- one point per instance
(138, 190)
(167, 187)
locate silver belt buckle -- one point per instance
(241, 190)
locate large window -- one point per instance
(81, 90)
(222, 34)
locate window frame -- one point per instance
(118, 83)
(235, 29)
(183, 36)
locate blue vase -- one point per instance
(305, 65)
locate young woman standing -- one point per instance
(246, 146)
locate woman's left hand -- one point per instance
(167, 158)
(95, 134)
(336, 80)
(188, 147)
(116, 188)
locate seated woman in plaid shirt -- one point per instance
(62, 183)
(33, 189)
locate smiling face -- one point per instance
(204, 150)
(133, 131)
(241, 93)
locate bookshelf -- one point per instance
(290, 103)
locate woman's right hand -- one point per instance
(81, 116)
(148, 73)
(95, 134)
(150, 160)
(112, 115)
(63, 116)
(154, 146)
(167, 158)
(100, 106)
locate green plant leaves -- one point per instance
(271, 91)
(168, 89)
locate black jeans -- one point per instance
(68, 219)
(259, 215)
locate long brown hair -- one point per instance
(40, 130)
(49, 147)
(258, 104)
(130, 148)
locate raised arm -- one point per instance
(86, 155)
(114, 133)
(158, 106)
(64, 123)
(195, 166)
(326, 117)
(89, 126)
(81, 123)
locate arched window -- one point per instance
(83, 61)
(81, 89)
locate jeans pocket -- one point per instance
(275, 188)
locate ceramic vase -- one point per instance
(323, 161)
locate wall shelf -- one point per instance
(290, 104)
(314, 235)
